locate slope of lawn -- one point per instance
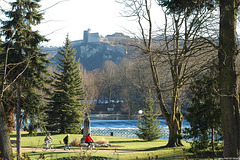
(146, 150)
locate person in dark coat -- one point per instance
(65, 140)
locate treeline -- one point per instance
(126, 83)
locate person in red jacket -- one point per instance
(89, 140)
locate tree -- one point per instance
(9, 102)
(204, 115)
(90, 88)
(23, 60)
(134, 83)
(227, 56)
(65, 108)
(34, 110)
(149, 125)
(5, 144)
(178, 48)
(228, 77)
(109, 70)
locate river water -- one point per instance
(123, 126)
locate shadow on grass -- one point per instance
(134, 141)
(44, 155)
(59, 147)
(156, 148)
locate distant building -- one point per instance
(90, 37)
(94, 37)
(116, 37)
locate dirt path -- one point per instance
(75, 150)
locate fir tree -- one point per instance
(65, 114)
(204, 115)
(149, 126)
(35, 111)
(24, 63)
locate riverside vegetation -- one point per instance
(135, 148)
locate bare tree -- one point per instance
(180, 47)
(91, 90)
(109, 70)
(135, 81)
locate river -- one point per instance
(120, 125)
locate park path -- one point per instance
(76, 150)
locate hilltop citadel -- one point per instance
(89, 37)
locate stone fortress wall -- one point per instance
(89, 37)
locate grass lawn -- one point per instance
(147, 150)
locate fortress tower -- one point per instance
(90, 37)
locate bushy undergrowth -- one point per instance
(76, 142)
(102, 141)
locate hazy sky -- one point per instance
(74, 16)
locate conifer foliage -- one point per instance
(22, 66)
(149, 126)
(204, 115)
(65, 108)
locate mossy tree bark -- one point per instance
(228, 77)
(5, 144)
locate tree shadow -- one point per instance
(134, 141)
(156, 148)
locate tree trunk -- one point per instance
(212, 140)
(10, 114)
(228, 78)
(176, 120)
(175, 131)
(18, 120)
(5, 144)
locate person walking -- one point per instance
(65, 140)
(48, 140)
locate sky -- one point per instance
(62, 17)
(74, 16)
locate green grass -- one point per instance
(148, 150)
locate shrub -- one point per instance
(76, 142)
(102, 141)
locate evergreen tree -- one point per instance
(24, 63)
(8, 103)
(149, 126)
(34, 111)
(65, 112)
(204, 115)
(8, 99)
(28, 63)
